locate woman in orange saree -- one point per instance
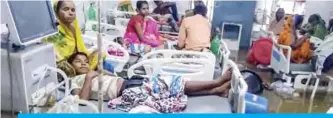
(301, 47)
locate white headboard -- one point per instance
(279, 61)
(113, 30)
(178, 54)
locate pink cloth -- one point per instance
(114, 102)
(151, 34)
(143, 109)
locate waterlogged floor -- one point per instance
(301, 104)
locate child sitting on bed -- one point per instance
(85, 84)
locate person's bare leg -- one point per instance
(207, 86)
(220, 90)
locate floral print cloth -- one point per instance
(162, 93)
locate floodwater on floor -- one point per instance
(302, 104)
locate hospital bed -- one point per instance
(203, 104)
(43, 94)
(121, 22)
(224, 54)
(212, 104)
(281, 64)
(118, 62)
(126, 60)
(111, 31)
(120, 18)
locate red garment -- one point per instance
(131, 24)
(261, 52)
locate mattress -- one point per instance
(202, 104)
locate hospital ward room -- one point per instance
(166, 56)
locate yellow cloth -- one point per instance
(65, 42)
(125, 5)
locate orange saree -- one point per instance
(301, 53)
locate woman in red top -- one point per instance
(142, 32)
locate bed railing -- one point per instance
(238, 84)
(224, 54)
(177, 54)
(238, 89)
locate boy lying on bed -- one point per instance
(85, 84)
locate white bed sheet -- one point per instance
(202, 104)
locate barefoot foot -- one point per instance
(222, 90)
(225, 77)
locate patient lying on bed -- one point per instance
(158, 88)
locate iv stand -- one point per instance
(100, 60)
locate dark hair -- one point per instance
(200, 9)
(298, 20)
(314, 17)
(157, 2)
(280, 10)
(199, 2)
(58, 6)
(140, 3)
(73, 56)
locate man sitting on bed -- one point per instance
(85, 84)
(195, 31)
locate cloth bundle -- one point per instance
(164, 94)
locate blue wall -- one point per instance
(241, 12)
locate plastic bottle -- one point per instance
(92, 12)
(215, 45)
(285, 91)
(282, 89)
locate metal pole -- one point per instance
(100, 60)
(294, 6)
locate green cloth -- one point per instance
(320, 31)
(318, 26)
